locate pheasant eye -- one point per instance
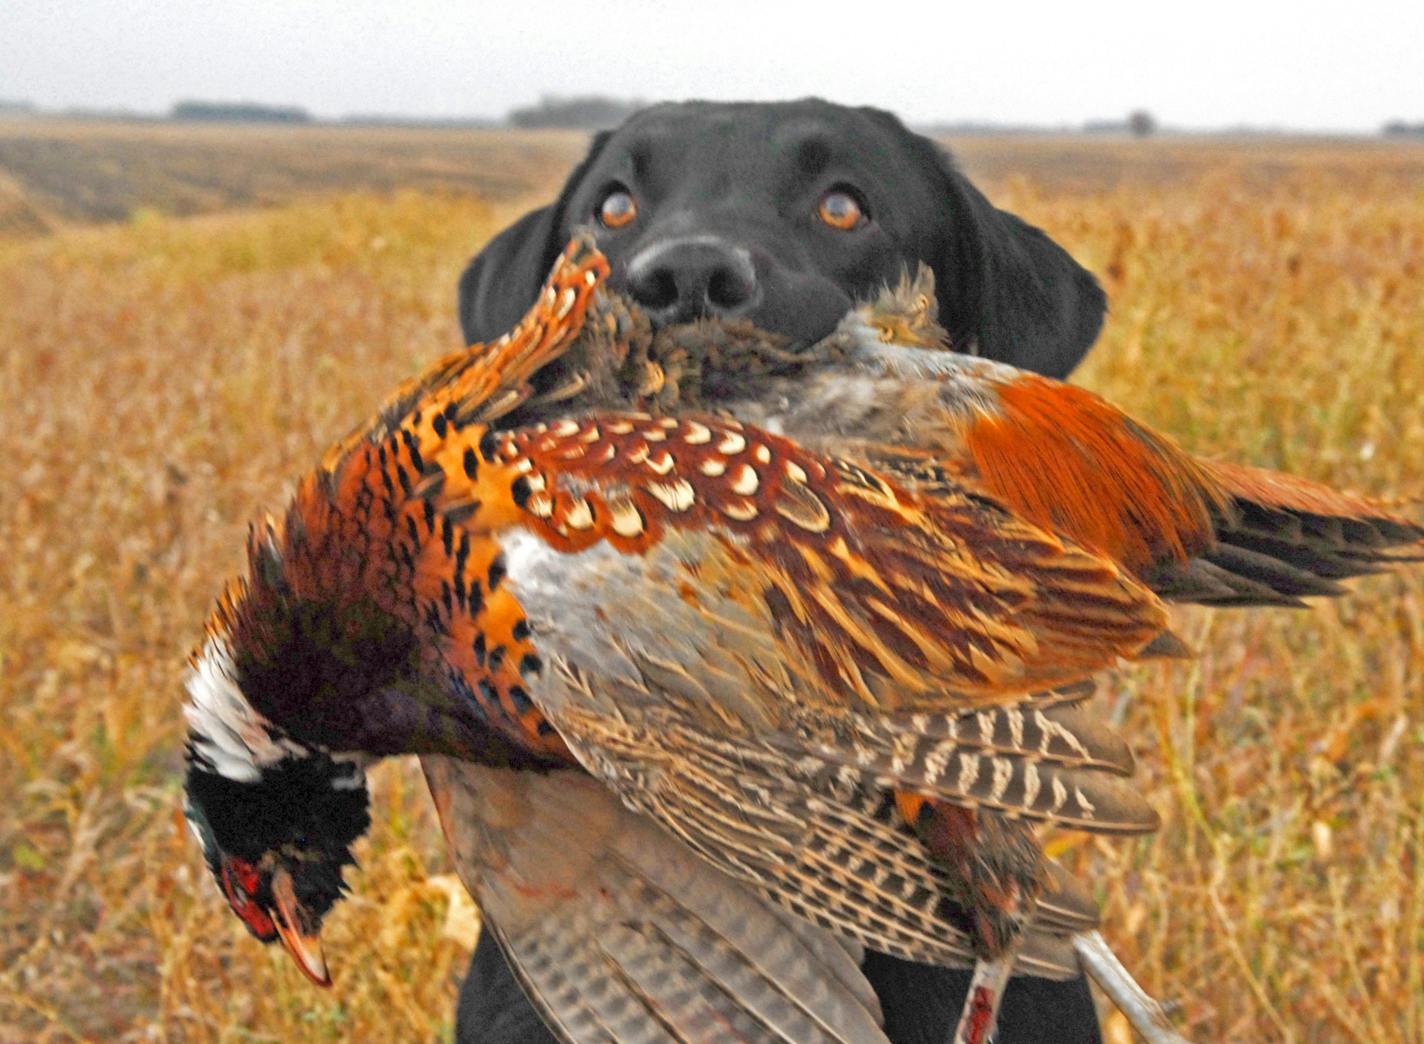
(841, 210)
(240, 881)
(236, 896)
(617, 209)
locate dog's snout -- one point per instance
(693, 278)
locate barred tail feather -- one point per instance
(1280, 539)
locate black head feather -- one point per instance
(303, 814)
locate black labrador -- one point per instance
(785, 214)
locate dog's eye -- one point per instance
(840, 210)
(617, 209)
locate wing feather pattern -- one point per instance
(620, 934)
(702, 701)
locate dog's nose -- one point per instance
(693, 278)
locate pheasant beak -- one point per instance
(304, 946)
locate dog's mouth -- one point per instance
(623, 359)
(710, 361)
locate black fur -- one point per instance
(720, 187)
(730, 191)
(921, 1005)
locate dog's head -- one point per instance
(784, 214)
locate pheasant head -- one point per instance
(276, 813)
(278, 844)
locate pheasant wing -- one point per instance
(883, 599)
(619, 933)
(759, 646)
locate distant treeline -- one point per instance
(591, 112)
(588, 112)
(238, 112)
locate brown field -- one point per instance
(164, 377)
(55, 173)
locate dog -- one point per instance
(786, 214)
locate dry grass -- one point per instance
(164, 379)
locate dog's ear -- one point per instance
(501, 281)
(1008, 289)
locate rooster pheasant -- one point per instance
(726, 658)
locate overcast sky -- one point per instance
(1339, 66)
